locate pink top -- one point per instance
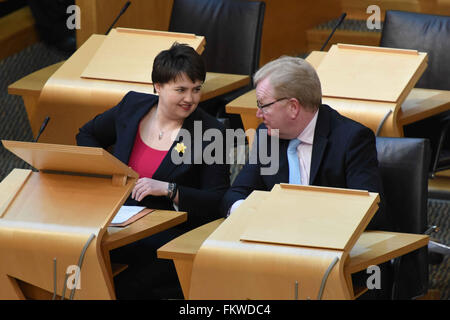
(144, 159)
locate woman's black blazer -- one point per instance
(201, 186)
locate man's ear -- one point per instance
(294, 108)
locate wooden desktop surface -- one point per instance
(152, 223)
(423, 103)
(215, 83)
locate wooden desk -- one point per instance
(372, 248)
(423, 103)
(418, 105)
(66, 206)
(90, 97)
(116, 237)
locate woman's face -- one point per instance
(180, 97)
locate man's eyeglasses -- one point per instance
(261, 107)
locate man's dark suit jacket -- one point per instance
(343, 156)
(201, 187)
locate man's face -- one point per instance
(275, 115)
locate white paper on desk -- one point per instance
(125, 213)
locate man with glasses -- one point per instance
(317, 145)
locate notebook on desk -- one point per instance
(129, 214)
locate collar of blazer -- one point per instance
(320, 140)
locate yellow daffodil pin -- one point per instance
(180, 147)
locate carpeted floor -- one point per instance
(13, 118)
(348, 24)
(14, 126)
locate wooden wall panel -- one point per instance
(286, 23)
(98, 15)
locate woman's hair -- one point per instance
(179, 59)
(293, 78)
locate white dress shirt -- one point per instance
(304, 149)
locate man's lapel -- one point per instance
(320, 141)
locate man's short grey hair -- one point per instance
(292, 77)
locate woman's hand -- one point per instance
(146, 186)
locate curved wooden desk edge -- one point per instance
(423, 103)
(30, 87)
(182, 251)
(34, 82)
(217, 84)
(377, 247)
(152, 223)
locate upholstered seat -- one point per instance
(404, 165)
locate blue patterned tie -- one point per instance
(294, 165)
